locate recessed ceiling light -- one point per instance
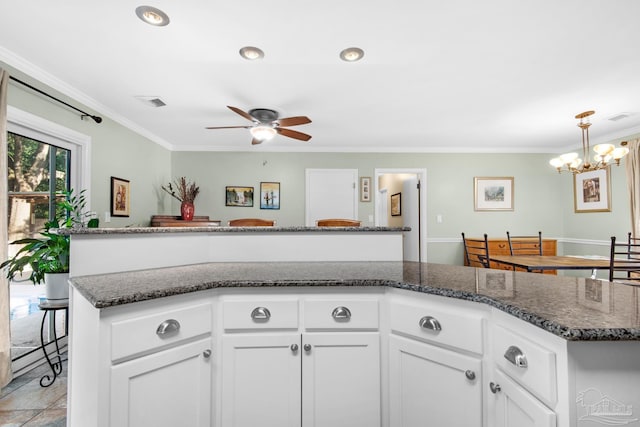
(152, 16)
(251, 53)
(352, 54)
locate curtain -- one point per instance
(632, 166)
(5, 322)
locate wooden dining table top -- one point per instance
(553, 262)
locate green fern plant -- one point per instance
(51, 251)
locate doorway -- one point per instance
(411, 186)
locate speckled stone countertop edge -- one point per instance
(567, 333)
(164, 230)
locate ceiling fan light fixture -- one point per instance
(152, 16)
(251, 53)
(263, 133)
(352, 54)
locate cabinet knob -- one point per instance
(294, 347)
(516, 356)
(261, 314)
(494, 388)
(428, 322)
(168, 327)
(307, 347)
(470, 374)
(341, 313)
(206, 354)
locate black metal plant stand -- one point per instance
(50, 307)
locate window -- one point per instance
(36, 171)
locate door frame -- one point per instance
(422, 175)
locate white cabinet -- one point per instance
(341, 379)
(515, 407)
(431, 386)
(261, 380)
(165, 389)
(307, 362)
(142, 364)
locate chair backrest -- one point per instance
(624, 259)
(476, 251)
(251, 222)
(525, 245)
(337, 222)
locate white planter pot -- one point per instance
(57, 286)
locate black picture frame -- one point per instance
(120, 197)
(396, 204)
(238, 196)
(270, 195)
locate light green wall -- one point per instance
(543, 199)
(115, 151)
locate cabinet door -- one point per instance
(341, 380)
(169, 388)
(515, 407)
(431, 386)
(261, 380)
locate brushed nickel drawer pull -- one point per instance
(168, 327)
(341, 314)
(261, 314)
(428, 322)
(516, 356)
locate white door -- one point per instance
(515, 407)
(341, 380)
(165, 389)
(411, 218)
(331, 193)
(261, 380)
(430, 386)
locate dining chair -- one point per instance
(337, 222)
(476, 251)
(251, 222)
(525, 245)
(624, 260)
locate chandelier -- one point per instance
(605, 153)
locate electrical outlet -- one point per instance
(107, 217)
(439, 219)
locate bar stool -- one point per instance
(50, 307)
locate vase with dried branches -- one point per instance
(186, 192)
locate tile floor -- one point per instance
(25, 403)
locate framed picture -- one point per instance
(493, 193)
(592, 191)
(365, 188)
(239, 196)
(396, 204)
(120, 197)
(269, 195)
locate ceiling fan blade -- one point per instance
(228, 127)
(255, 141)
(293, 134)
(294, 121)
(242, 113)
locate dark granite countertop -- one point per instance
(569, 307)
(160, 230)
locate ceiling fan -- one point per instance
(266, 124)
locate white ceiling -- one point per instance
(454, 75)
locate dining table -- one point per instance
(554, 262)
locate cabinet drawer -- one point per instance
(539, 374)
(157, 330)
(457, 328)
(340, 314)
(260, 314)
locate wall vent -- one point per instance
(619, 116)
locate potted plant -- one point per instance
(186, 193)
(48, 255)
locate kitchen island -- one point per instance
(407, 341)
